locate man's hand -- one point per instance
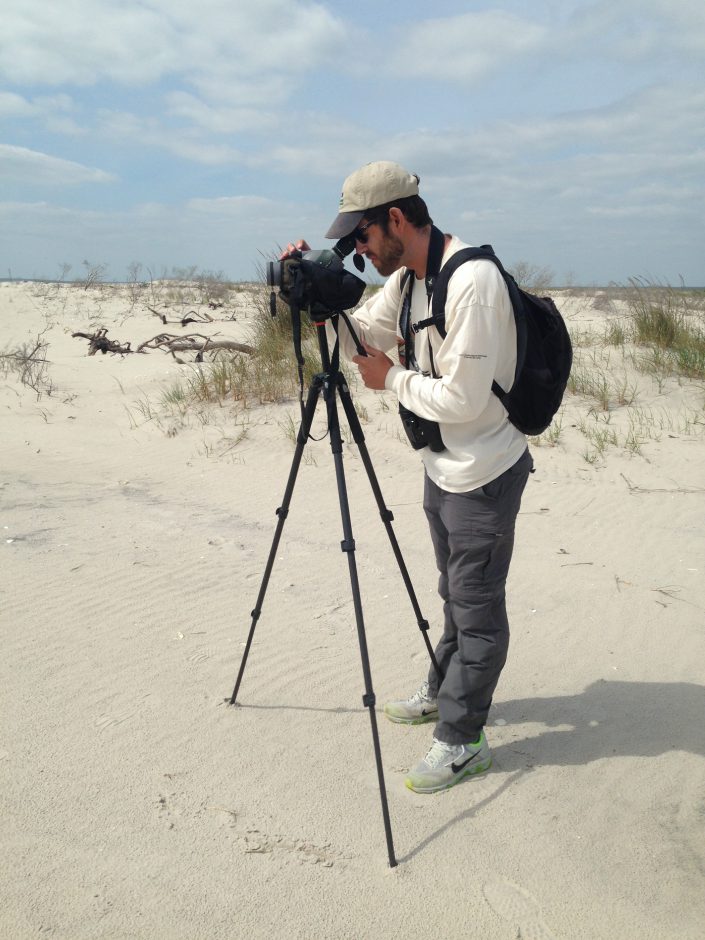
(373, 367)
(301, 245)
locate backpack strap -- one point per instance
(436, 247)
(440, 285)
(407, 286)
(440, 292)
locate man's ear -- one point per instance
(396, 218)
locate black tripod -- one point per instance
(331, 383)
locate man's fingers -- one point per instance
(301, 245)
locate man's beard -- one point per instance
(389, 255)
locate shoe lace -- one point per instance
(420, 695)
(439, 753)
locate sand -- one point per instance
(137, 803)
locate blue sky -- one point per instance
(170, 133)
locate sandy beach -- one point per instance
(136, 803)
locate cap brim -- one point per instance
(344, 224)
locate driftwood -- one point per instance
(193, 316)
(99, 342)
(192, 342)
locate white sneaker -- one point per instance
(448, 764)
(415, 710)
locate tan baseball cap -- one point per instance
(372, 185)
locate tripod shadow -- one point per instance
(332, 710)
(608, 719)
(467, 814)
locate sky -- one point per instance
(167, 133)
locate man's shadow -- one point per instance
(608, 719)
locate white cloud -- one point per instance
(211, 43)
(473, 45)
(219, 119)
(645, 211)
(466, 47)
(321, 145)
(202, 151)
(150, 133)
(19, 164)
(261, 37)
(231, 205)
(51, 110)
(81, 41)
(12, 105)
(658, 129)
(655, 121)
(636, 30)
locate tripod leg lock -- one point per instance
(387, 516)
(282, 513)
(423, 625)
(369, 700)
(348, 545)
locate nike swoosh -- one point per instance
(432, 712)
(456, 768)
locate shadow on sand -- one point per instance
(608, 719)
(637, 719)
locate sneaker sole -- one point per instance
(472, 772)
(422, 720)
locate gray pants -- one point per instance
(473, 538)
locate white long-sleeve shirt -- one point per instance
(479, 346)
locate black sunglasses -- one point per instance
(360, 233)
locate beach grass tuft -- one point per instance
(671, 323)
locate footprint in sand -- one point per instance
(108, 721)
(257, 842)
(515, 905)
(199, 655)
(126, 713)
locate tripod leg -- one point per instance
(282, 513)
(348, 546)
(386, 516)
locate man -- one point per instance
(473, 486)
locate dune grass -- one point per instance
(671, 323)
(243, 381)
(269, 374)
(659, 335)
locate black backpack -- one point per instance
(544, 350)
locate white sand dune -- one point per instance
(137, 804)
